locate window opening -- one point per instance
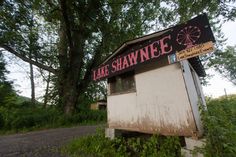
(122, 83)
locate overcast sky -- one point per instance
(218, 83)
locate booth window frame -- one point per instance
(123, 83)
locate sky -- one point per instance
(218, 85)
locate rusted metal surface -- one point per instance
(152, 129)
(147, 125)
(159, 105)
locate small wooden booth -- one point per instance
(99, 105)
(153, 81)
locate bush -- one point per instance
(33, 118)
(26, 116)
(99, 146)
(220, 127)
(84, 117)
(1, 121)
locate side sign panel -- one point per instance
(195, 51)
(191, 52)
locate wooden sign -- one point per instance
(191, 52)
(180, 42)
(195, 51)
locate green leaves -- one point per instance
(220, 127)
(225, 63)
(7, 94)
(99, 146)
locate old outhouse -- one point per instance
(153, 81)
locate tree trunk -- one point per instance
(68, 74)
(70, 97)
(71, 80)
(46, 90)
(68, 89)
(32, 84)
(71, 54)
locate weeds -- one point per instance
(35, 117)
(99, 146)
(220, 127)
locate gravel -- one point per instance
(41, 143)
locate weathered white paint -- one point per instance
(194, 92)
(121, 108)
(160, 104)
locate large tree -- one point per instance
(87, 31)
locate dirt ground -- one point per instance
(41, 143)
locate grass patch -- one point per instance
(13, 120)
(99, 146)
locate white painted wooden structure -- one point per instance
(165, 101)
(153, 81)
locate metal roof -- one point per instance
(135, 41)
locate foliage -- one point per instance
(99, 146)
(220, 127)
(83, 117)
(225, 63)
(26, 116)
(1, 121)
(186, 9)
(7, 94)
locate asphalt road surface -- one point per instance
(41, 143)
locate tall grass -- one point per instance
(220, 127)
(28, 117)
(99, 146)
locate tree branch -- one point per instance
(94, 61)
(50, 3)
(12, 51)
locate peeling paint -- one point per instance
(147, 125)
(159, 105)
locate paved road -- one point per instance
(40, 143)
